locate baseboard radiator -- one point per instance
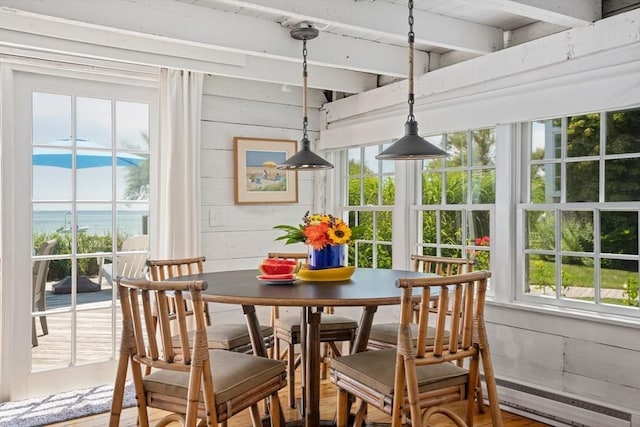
(557, 409)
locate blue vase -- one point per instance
(327, 257)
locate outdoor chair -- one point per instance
(224, 336)
(38, 290)
(333, 329)
(127, 265)
(421, 374)
(195, 382)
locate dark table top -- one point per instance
(367, 286)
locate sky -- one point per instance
(52, 126)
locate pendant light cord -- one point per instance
(411, 39)
(305, 120)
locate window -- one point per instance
(90, 197)
(458, 196)
(369, 194)
(581, 211)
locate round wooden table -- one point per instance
(368, 287)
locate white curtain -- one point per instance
(176, 214)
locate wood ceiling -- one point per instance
(362, 43)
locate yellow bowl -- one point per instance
(326, 275)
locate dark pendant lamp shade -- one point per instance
(411, 146)
(305, 159)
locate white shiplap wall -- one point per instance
(239, 236)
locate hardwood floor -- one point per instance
(328, 397)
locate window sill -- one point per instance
(568, 313)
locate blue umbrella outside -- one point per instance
(62, 157)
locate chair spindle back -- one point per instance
(461, 301)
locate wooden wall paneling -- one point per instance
(528, 355)
(233, 107)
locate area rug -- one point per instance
(61, 407)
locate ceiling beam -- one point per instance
(568, 13)
(384, 19)
(214, 29)
(547, 58)
(60, 37)
(531, 32)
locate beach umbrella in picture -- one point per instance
(88, 155)
(269, 164)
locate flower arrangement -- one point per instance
(319, 231)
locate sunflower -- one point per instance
(340, 233)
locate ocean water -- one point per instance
(97, 223)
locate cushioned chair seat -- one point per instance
(328, 322)
(223, 336)
(233, 375)
(388, 333)
(376, 369)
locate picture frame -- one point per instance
(257, 181)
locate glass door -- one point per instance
(89, 146)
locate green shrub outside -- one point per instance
(87, 243)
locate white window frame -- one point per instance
(16, 380)
(466, 209)
(343, 209)
(523, 206)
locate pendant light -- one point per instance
(411, 146)
(305, 159)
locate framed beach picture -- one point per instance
(257, 180)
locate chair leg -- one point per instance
(490, 380)
(274, 351)
(34, 335)
(275, 410)
(291, 380)
(43, 323)
(361, 414)
(342, 408)
(478, 391)
(255, 416)
(479, 396)
(118, 390)
(326, 354)
(43, 319)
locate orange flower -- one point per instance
(316, 235)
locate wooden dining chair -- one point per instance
(333, 329)
(385, 335)
(419, 374)
(225, 336)
(194, 382)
